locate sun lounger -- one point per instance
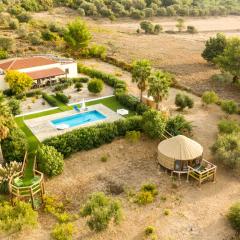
(62, 126)
(76, 108)
(122, 112)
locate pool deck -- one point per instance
(42, 127)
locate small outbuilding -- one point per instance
(181, 154)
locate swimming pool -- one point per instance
(79, 119)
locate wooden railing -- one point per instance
(27, 191)
(201, 176)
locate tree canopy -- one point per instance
(77, 35)
(159, 85)
(229, 59)
(140, 73)
(214, 47)
(18, 82)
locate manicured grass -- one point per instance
(33, 142)
(111, 103)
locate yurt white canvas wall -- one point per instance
(178, 148)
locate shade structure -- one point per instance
(178, 148)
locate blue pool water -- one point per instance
(79, 119)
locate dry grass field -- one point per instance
(177, 53)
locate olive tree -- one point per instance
(214, 47)
(229, 60)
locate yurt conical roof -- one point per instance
(180, 148)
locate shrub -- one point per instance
(95, 86)
(63, 231)
(191, 29)
(146, 195)
(148, 12)
(228, 126)
(61, 86)
(14, 24)
(34, 93)
(136, 14)
(14, 106)
(157, 29)
(166, 212)
(97, 51)
(50, 99)
(133, 136)
(147, 26)
(48, 35)
(182, 101)
(108, 79)
(101, 210)
(78, 86)
(178, 125)
(49, 160)
(6, 44)
(143, 198)
(92, 137)
(234, 216)
(62, 98)
(14, 146)
(132, 103)
(209, 97)
(6, 173)
(229, 106)
(154, 123)
(3, 54)
(149, 230)
(104, 158)
(226, 150)
(24, 17)
(35, 38)
(15, 218)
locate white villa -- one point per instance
(43, 69)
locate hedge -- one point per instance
(50, 99)
(94, 136)
(109, 79)
(132, 103)
(62, 97)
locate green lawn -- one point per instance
(33, 142)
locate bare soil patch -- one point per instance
(195, 213)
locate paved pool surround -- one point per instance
(42, 127)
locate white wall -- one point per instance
(3, 84)
(72, 67)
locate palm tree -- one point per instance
(140, 74)
(159, 85)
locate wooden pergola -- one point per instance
(30, 191)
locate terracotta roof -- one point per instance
(20, 63)
(51, 72)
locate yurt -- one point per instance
(179, 152)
